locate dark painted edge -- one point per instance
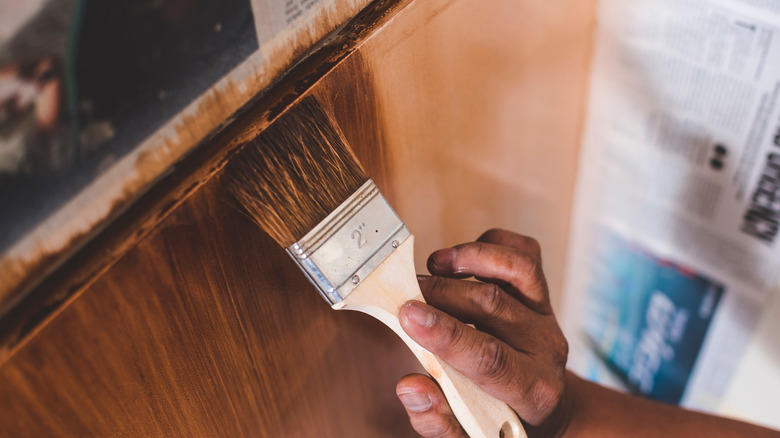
(131, 224)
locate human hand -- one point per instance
(516, 352)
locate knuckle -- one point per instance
(491, 300)
(510, 238)
(560, 350)
(453, 334)
(492, 361)
(532, 268)
(555, 346)
(433, 286)
(535, 268)
(491, 235)
(533, 246)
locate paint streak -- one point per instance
(45, 249)
(174, 343)
(352, 95)
(176, 175)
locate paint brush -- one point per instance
(301, 183)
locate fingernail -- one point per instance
(419, 314)
(444, 257)
(423, 277)
(416, 402)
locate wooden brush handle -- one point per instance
(381, 295)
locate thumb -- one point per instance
(427, 408)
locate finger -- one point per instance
(519, 273)
(485, 305)
(428, 410)
(532, 389)
(508, 238)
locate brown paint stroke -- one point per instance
(21, 274)
(45, 298)
(172, 343)
(350, 92)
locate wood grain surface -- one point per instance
(205, 329)
(481, 107)
(53, 240)
(30, 310)
(193, 323)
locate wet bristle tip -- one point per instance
(295, 173)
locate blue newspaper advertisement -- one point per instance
(646, 317)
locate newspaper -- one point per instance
(677, 216)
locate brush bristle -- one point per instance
(295, 173)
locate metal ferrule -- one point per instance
(350, 243)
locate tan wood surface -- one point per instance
(205, 329)
(192, 322)
(22, 318)
(482, 106)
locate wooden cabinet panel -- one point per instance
(467, 116)
(205, 329)
(480, 107)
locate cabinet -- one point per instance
(466, 114)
